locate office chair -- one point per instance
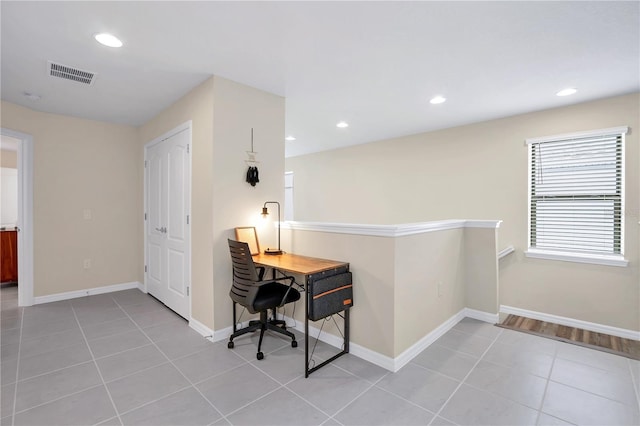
(258, 296)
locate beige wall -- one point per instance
(197, 107)
(222, 114)
(9, 159)
(479, 171)
(81, 164)
(396, 280)
(372, 262)
(481, 269)
(237, 109)
(423, 262)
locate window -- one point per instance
(288, 196)
(576, 197)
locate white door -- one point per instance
(168, 176)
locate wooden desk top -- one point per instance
(297, 264)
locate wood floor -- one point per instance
(603, 342)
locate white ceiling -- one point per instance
(372, 64)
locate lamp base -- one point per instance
(272, 251)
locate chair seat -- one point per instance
(270, 296)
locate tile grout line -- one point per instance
(157, 399)
(556, 356)
(592, 393)
(281, 386)
(495, 339)
(375, 385)
(15, 385)
(546, 385)
(372, 384)
(407, 400)
(93, 358)
(329, 416)
(476, 387)
(172, 364)
(636, 386)
(255, 400)
(284, 385)
(64, 396)
(53, 371)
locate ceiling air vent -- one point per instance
(70, 73)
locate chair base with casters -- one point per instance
(263, 324)
(258, 296)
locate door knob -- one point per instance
(162, 230)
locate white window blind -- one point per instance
(576, 193)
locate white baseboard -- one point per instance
(224, 333)
(200, 328)
(336, 341)
(395, 364)
(386, 362)
(414, 350)
(88, 292)
(481, 315)
(571, 322)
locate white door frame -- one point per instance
(25, 215)
(182, 127)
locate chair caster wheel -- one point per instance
(230, 345)
(260, 356)
(294, 344)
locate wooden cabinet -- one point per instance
(9, 256)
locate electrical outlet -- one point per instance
(439, 288)
(86, 264)
(86, 214)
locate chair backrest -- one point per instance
(245, 276)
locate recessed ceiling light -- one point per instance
(108, 40)
(566, 92)
(290, 138)
(342, 124)
(438, 99)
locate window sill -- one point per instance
(578, 257)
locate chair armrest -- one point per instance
(291, 283)
(270, 280)
(260, 270)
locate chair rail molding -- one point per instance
(390, 231)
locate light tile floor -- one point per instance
(124, 359)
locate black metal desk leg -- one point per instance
(306, 328)
(346, 330)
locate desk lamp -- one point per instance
(265, 213)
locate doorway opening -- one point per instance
(24, 210)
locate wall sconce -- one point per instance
(265, 213)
